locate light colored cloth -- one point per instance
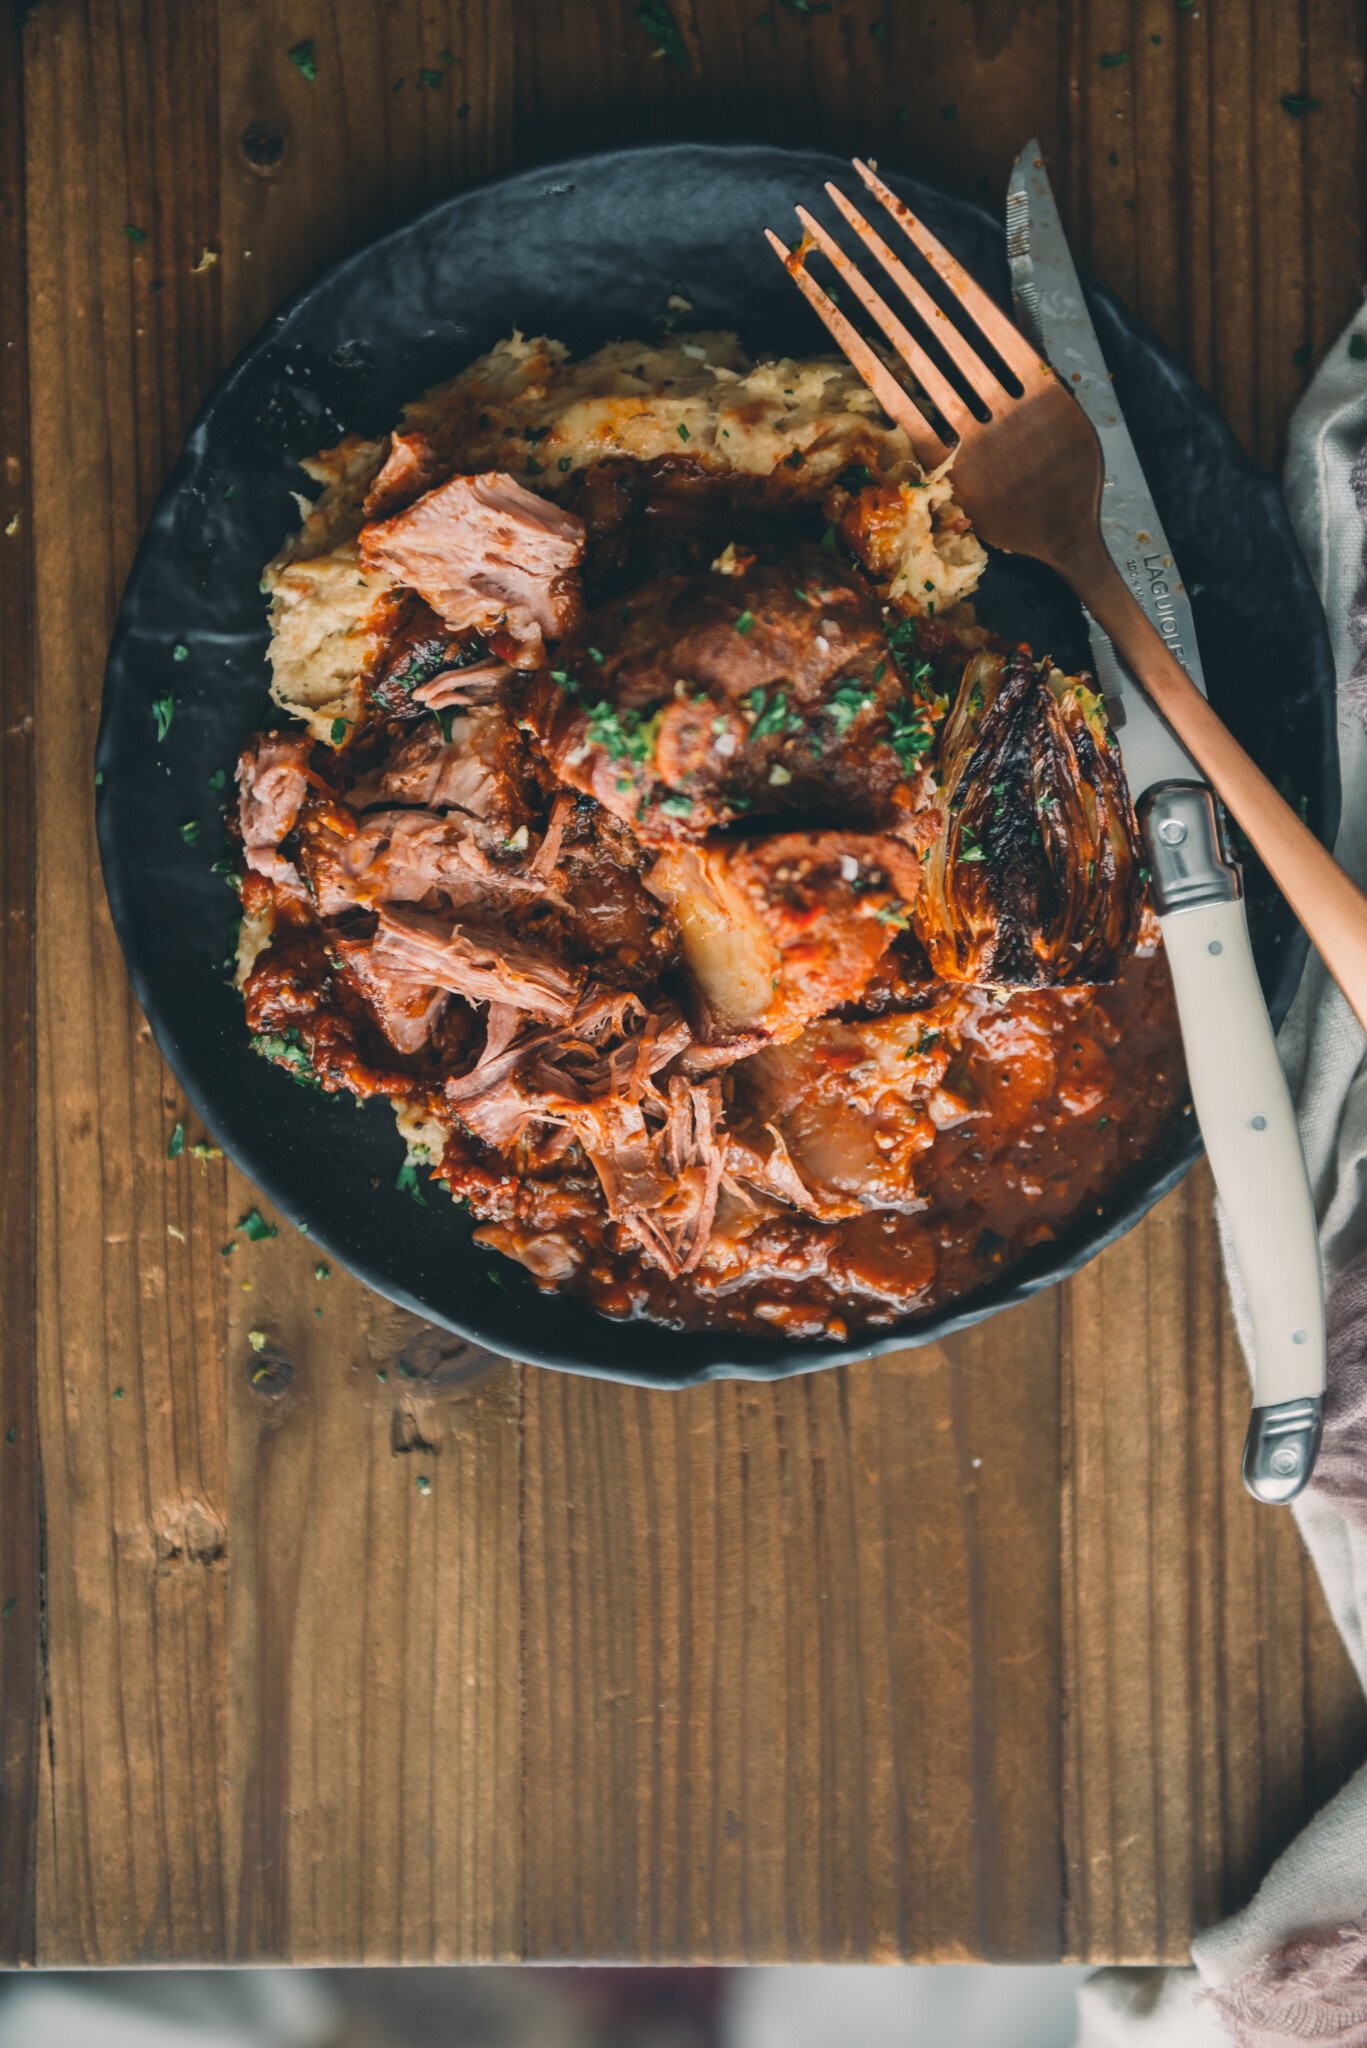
(1292, 1967)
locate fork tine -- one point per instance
(930, 449)
(936, 386)
(1008, 341)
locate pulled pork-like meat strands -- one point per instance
(703, 699)
(272, 782)
(1033, 879)
(486, 554)
(483, 966)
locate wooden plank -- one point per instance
(752, 1672)
(791, 1682)
(22, 1727)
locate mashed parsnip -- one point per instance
(808, 429)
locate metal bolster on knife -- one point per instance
(1182, 832)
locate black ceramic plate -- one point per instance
(586, 250)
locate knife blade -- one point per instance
(1052, 311)
(1238, 1087)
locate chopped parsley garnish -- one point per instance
(855, 477)
(339, 731)
(659, 24)
(778, 774)
(894, 914)
(189, 831)
(744, 622)
(684, 434)
(1114, 57)
(769, 717)
(218, 780)
(163, 711)
(828, 541)
(568, 683)
(924, 1043)
(180, 652)
(535, 433)
(623, 735)
(322, 1272)
(910, 735)
(304, 58)
(407, 1183)
(446, 718)
(255, 1226)
(677, 806)
(969, 847)
(290, 1052)
(177, 1142)
(564, 463)
(137, 236)
(846, 703)
(596, 654)
(795, 460)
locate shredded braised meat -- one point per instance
(745, 950)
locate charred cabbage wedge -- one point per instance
(1033, 880)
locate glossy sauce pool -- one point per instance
(1070, 1092)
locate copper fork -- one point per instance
(1027, 469)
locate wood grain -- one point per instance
(362, 1646)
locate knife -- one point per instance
(1238, 1087)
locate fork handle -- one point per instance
(1332, 909)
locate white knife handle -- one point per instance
(1244, 1109)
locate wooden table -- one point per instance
(975, 1651)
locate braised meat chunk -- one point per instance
(700, 700)
(776, 931)
(487, 555)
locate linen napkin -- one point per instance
(1292, 1967)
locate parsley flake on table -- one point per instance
(429, 76)
(254, 1226)
(137, 236)
(1298, 103)
(744, 622)
(304, 58)
(657, 19)
(1112, 58)
(177, 1142)
(163, 711)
